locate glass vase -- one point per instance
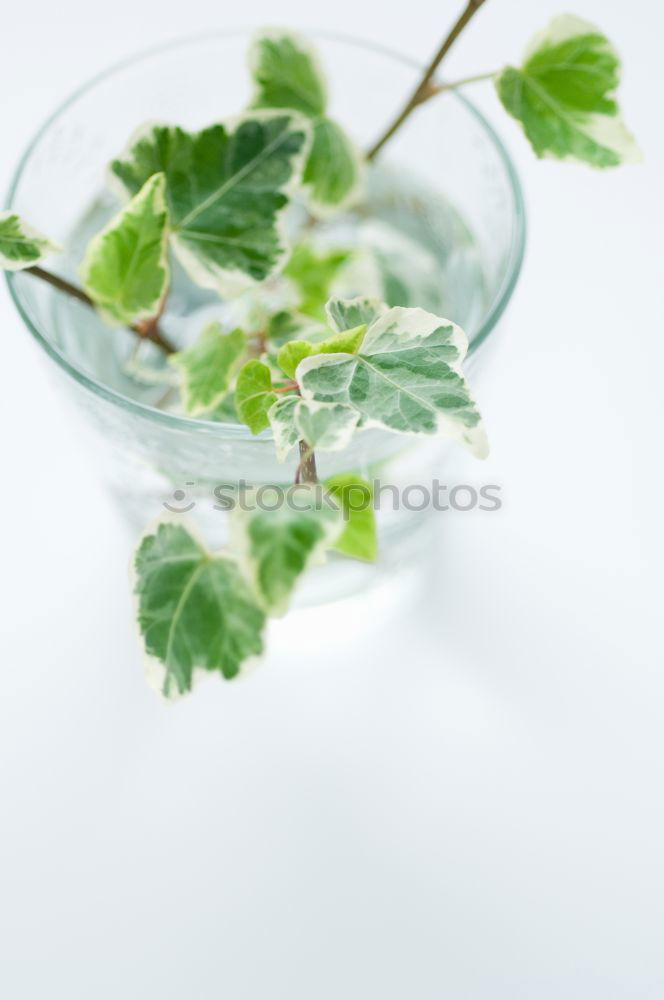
(445, 186)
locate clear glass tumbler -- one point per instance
(444, 182)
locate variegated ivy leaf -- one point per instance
(287, 75)
(208, 367)
(277, 546)
(21, 246)
(348, 314)
(125, 270)
(254, 395)
(195, 610)
(359, 538)
(313, 272)
(226, 187)
(563, 95)
(406, 377)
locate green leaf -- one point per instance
(360, 537)
(563, 95)
(313, 272)
(254, 395)
(208, 367)
(294, 351)
(277, 546)
(125, 270)
(326, 426)
(291, 354)
(21, 246)
(346, 342)
(226, 189)
(407, 378)
(287, 75)
(194, 610)
(348, 314)
(334, 169)
(284, 429)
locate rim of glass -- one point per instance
(494, 312)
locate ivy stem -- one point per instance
(418, 95)
(146, 330)
(306, 470)
(439, 88)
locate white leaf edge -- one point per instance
(560, 29)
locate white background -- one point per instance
(463, 801)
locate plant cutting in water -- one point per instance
(315, 351)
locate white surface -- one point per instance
(462, 802)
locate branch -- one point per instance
(418, 94)
(146, 330)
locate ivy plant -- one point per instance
(237, 205)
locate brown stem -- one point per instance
(306, 470)
(61, 284)
(420, 92)
(147, 329)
